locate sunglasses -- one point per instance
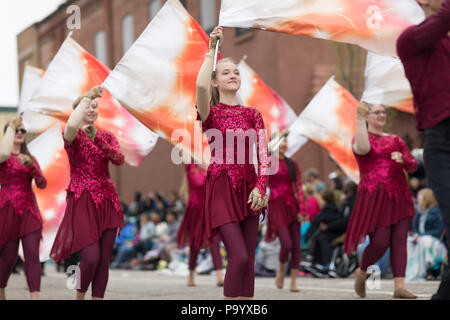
(22, 131)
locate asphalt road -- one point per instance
(155, 285)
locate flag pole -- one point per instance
(215, 55)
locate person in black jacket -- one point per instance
(322, 243)
(340, 225)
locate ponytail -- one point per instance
(215, 95)
(291, 169)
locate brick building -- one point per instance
(294, 66)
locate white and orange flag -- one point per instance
(372, 24)
(70, 74)
(386, 83)
(276, 112)
(156, 81)
(48, 149)
(156, 78)
(329, 120)
(32, 121)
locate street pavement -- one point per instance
(157, 285)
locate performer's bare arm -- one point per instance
(203, 84)
(362, 144)
(7, 142)
(76, 118)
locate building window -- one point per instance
(101, 53)
(208, 14)
(127, 32)
(155, 6)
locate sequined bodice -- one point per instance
(196, 183)
(15, 181)
(89, 169)
(377, 167)
(281, 185)
(232, 132)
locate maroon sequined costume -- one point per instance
(383, 197)
(231, 177)
(285, 203)
(92, 202)
(189, 228)
(19, 212)
(20, 219)
(285, 200)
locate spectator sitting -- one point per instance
(340, 225)
(426, 252)
(124, 244)
(267, 259)
(314, 201)
(167, 241)
(161, 227)
(150, 256)
(176, 203)
(336, 186)
(420, 173)
(143, 242)
(137, 206)
(150, 201)
(321, 249)
(160, 209)
(312, 176)
(342, 176)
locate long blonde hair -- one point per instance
(215, 94)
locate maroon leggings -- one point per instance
(290, 243)
(215, 253)
(94, 266)
(240, 242)
(393, 237)
(32, 265)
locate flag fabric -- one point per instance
(48, 149)
(33, 122)
(70, 74)
(329, 120)
(372, 24)
(156, 78)
(276, 112)
(160, 71)
(386, 83)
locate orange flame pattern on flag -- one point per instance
(135, 140)
(372, 24)
(276, 113)
(329, 120)
(48, 149)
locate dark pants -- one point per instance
(322, 247)
(437, 166)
